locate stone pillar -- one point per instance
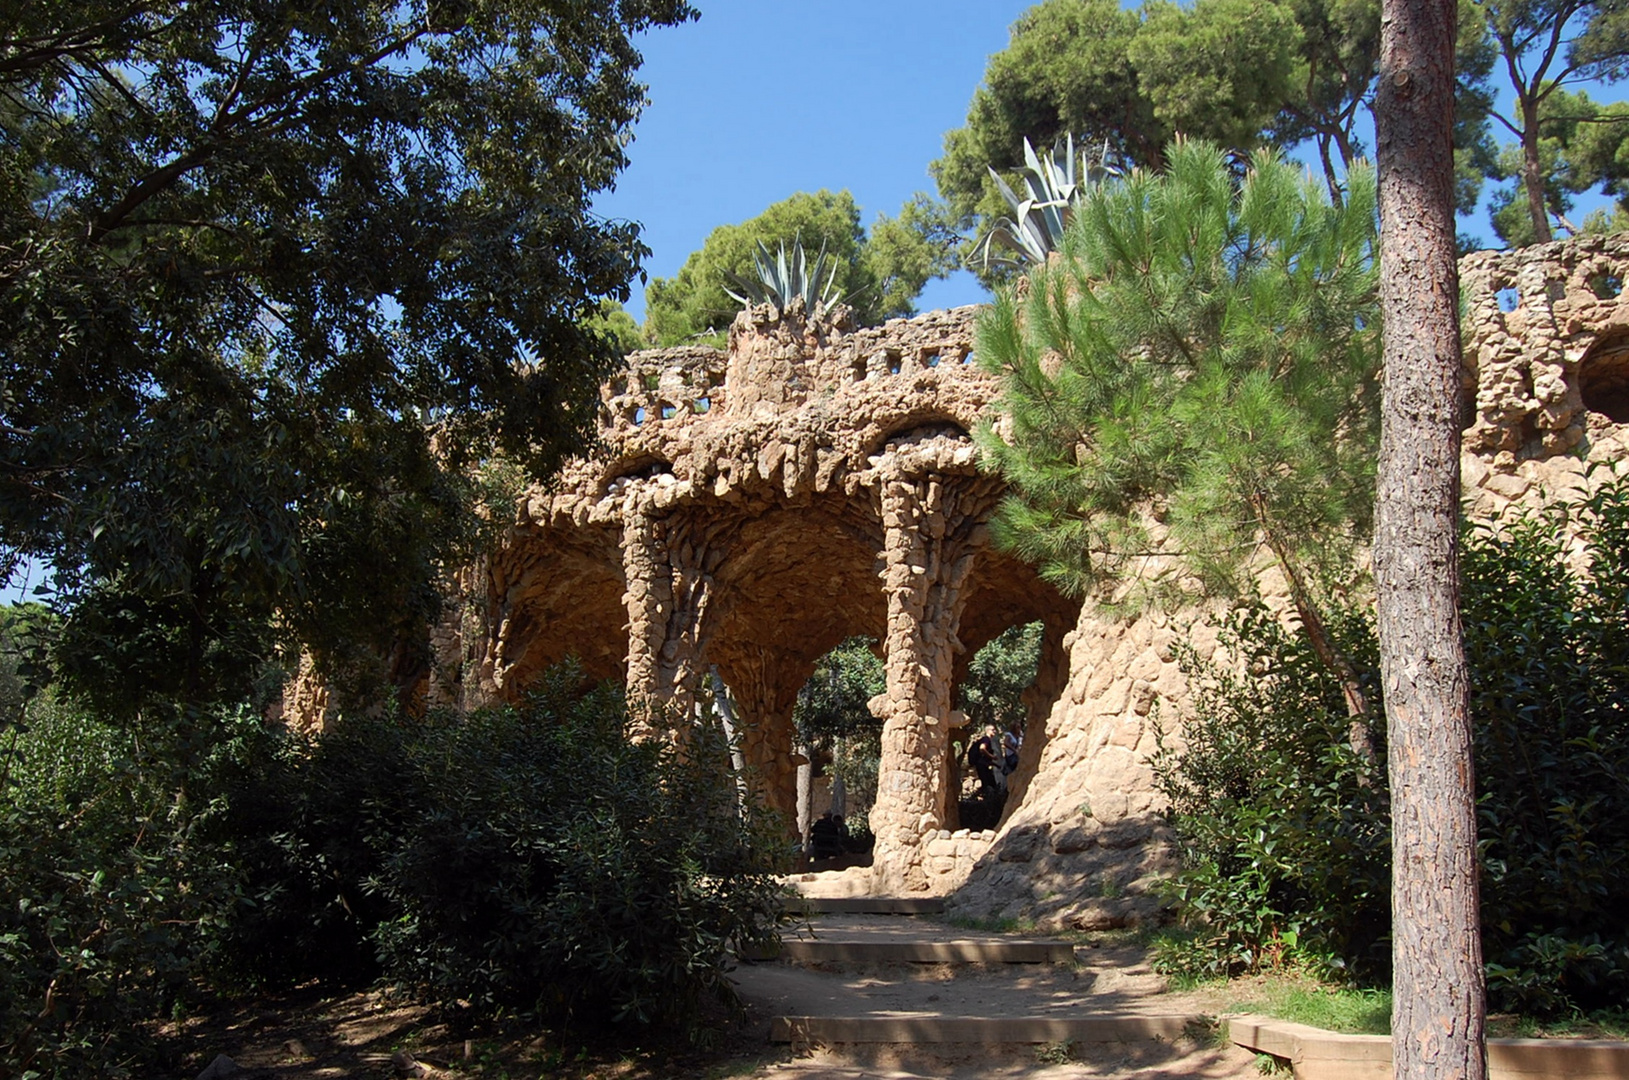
(932, 527)
(764, 684)
(668, 562)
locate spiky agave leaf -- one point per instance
(780, 278)
(1055, 184)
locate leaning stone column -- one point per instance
(668, 562)
(932, 530)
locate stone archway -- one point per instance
(751, 509)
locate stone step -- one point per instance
(1008, 951)
(988, 1030)
(871, 905)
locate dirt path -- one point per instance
(310, 1036)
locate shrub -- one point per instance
(109, 898)
(1283, 848)
(517, 859)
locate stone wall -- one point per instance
(1547, 411)
(750, 508)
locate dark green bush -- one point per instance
(1284, 848)
(110, 898)
(526, 859)
(1283, 833)
(515, 860)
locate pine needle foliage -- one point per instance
(1196, 373)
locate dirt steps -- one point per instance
(853, 978)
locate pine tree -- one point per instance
(1201, 359)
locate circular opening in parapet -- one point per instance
(1603, 377)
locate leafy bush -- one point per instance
(1284, 848)
(517, 859)
(109, 898)
(525, 859)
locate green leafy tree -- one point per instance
(1066, 70)
(878, 275)
(993, 692)
(1545, 46)
(271, 278)
(1242, 74)
(1201, 362)
(831, 713)
(613, 323)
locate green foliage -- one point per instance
(1053, 183)
(1545, 46)
(781, 280)
(1066, 70)
(1549, 652)
(1278, 839)
(1203, 359)
(831, 714)
(1285, 846)
(261, 307)
(878, 275)
(528, 859)
(993, 691)
(1219, 70)
(111, 895)
(1240, 73)
(613, 323)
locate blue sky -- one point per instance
(762, 98)
(759, 99)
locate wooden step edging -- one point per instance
(921, 952)
(1316, 1054)
(870, 905)
(832, 1030)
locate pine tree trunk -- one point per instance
(1533, 172)
(1438, 1010)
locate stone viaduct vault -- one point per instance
(748, 510)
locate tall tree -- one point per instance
(1201, 360)
(272, 278)
(1439, 1007)
(1544, 46)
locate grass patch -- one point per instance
(1303, 1001)
(992, 926)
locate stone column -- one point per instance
(668, 562)
(764, 683)
(932, 530)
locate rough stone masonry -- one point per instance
(750, 508)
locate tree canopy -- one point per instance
(272, 281)
(1239, 73)
(879, 274)
(1197, 374)
(1544, 47)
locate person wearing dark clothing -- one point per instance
(825, 838)
(982, 756)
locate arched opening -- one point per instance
(918, 429)
(1603, 377)
(844, 744)
(640, 468)
(993, 696)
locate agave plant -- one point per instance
(783, 278)
(1055, 183)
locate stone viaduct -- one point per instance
(748, 509)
